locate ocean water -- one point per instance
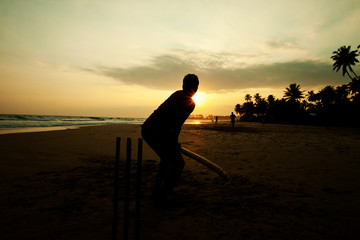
(15, 123)
(11, 123)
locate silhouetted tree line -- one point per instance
(336, 106)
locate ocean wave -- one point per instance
(22, 121)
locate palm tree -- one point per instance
(238, 109)
(293, 93)
(354, 86)
(248, 108)
(344, 58)
(248, 97)
(342, 93)
(327, 96)
(312, 97)
(257, 98)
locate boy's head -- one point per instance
(191, 84)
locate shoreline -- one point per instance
(71, 127)
(35, 129)
(4, 131)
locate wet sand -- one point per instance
(288, 182)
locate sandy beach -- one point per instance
(288, 182)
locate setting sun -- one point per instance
(198, 98)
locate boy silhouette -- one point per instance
(161, 131)
(232, 117)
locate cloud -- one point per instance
(224, 73)
(281, 44)
(165, 72)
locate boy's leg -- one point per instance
(174, 171)
(170, 169)
(171, 161)
(161, 176)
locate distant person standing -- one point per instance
(216, 119)
(161, 131)
(232, 117)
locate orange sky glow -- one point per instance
(124, 58)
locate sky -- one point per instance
(123, 58)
